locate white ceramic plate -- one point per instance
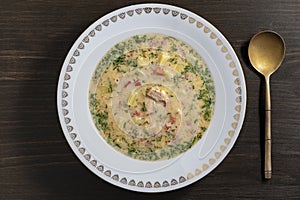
(78, 126)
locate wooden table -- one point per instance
(36, 162)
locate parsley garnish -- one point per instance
(144, 108)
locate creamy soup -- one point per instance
(151, 97)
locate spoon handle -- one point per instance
(268, 164)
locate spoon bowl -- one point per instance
(266, 52)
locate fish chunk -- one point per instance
(157, 94)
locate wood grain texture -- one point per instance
(35, 159)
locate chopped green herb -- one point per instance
(131, 150)
(171, 60)
(102, 120)
(93, 101)
(201, 94)
(203, 128)
(144, 108)
(139, 39)
(119, 61)
(174, 48)
(152, 55)
(191, 68)
(110, 89)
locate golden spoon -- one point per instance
(266, 52)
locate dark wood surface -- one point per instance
(35, 159)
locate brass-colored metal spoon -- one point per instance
(266, 52)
